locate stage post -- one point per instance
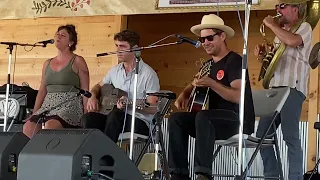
(248, 4)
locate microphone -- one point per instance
(137, 54)
(317, 125)
(50, 41)
(196, 44)
(83, 92)
(165, 95)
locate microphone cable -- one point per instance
(91, 173)
(52, 41)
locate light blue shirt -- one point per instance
(148, 81)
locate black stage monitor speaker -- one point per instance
(11, 144)
(74, 154)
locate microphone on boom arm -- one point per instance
(163, 95)
(196, 44)
(83, 92)
(50, 41)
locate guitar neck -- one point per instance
(130, 101)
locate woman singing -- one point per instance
(59, 76)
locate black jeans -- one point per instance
(112, 124)
(206, 126)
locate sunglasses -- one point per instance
(281, 6)
(209, 38)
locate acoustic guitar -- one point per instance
(199, 95)
(109, 96)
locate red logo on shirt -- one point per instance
(220, 74)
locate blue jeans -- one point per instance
(289, 118)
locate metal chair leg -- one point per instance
(147, 144)
(9, 128)
(165, 165)
(216, 152)
(259, 146)
(278, 152)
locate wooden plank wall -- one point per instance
(176, 64)
(313, 107)
(95, 35)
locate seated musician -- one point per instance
(59, 76)
(221, 120)
(121, 76)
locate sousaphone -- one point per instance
(271, 59)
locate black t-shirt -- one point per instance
(225, 71)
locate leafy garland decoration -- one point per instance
(43, 6)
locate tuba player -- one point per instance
(292, 71)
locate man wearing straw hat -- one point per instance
(221, 120)
(292, 71)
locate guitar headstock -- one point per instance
(200, 62)
(205, 69)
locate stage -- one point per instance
(62, 159)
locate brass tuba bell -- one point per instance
(271, 57)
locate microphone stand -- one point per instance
(135, 82)
(241, 176)
(140, 48)
(10, 47)
(137, 54)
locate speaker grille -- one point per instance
(67, 131)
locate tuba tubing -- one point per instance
(268, 56)
(262, 32)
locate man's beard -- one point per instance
(213, 51)
(282, 22)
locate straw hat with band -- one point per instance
(212, 21)
(293, 1)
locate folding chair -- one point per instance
(267, 102)
(156, 133)
(12, 112)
